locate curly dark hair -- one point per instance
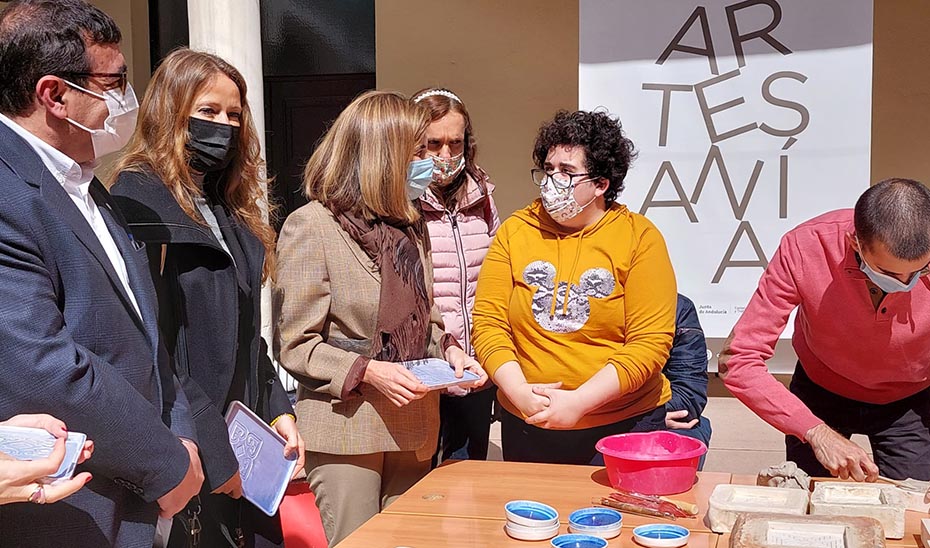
(608, 153)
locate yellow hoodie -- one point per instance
(620, 310)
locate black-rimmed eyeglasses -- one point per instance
(559, 179)
(123, 78)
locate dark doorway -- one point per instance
(168, 28)
(317, 56)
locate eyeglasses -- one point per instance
(559, 179)
(123, 78)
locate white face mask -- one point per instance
(120, 123)
(560, 203)
(888, 284)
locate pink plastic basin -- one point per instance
(652, 463)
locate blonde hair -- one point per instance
(159, 144)
(360, 165)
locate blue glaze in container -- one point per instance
(599, 522)
(531, 513)
(578, 541)
(595, 518)
(661, 535)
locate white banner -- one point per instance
(749, 117)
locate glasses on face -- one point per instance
(559, 179)
(120, 83)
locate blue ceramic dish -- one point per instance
(598, 522)
(531, 513)
(661, 535)
(595, 518)
(578, 541)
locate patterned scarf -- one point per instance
(402, 332)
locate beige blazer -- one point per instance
(325, 302)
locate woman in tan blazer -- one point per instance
(353, 297)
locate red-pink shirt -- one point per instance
(845, 344)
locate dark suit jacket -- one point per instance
(210, 313)
(72, 345)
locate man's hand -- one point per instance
(840, 456)
(232, 487)
(564, 411)
(672, 420)
(175, 500)
(286, 427)
(394, 381)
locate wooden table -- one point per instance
(479, 489)
(417, 531)
(462, 504)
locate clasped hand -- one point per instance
(565, 407)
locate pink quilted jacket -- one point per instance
(460, 240)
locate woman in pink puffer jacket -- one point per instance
(462, 221)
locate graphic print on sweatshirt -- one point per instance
(594, 283)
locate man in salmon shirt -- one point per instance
(862, 336)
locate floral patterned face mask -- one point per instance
(560, 203)
(446, 169)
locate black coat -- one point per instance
(209, 313)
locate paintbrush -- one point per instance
(680, 508)
(632, 508)
(650, 502)
(910, 485)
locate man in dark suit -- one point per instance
(78, 330)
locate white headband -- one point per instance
(430, 93)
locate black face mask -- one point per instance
(212, 146)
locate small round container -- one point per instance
(599, 522)
(523, 532)
(578, 541)
(652, 463)
(661, 535)
(530, 513)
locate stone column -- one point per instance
(232, 30)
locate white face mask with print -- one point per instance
(123, 109)
(447, 169)
(560, 203)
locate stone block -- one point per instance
(727, 502)
(915, 493)
(768, 530)
(882, 502)
(925, 533)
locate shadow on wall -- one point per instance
(716, 25)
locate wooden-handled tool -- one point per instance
(631, 508)
(679, 508)
(688, 507)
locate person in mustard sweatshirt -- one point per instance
(575, 307)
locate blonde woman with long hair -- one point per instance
(353, 298)
(190, 184)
